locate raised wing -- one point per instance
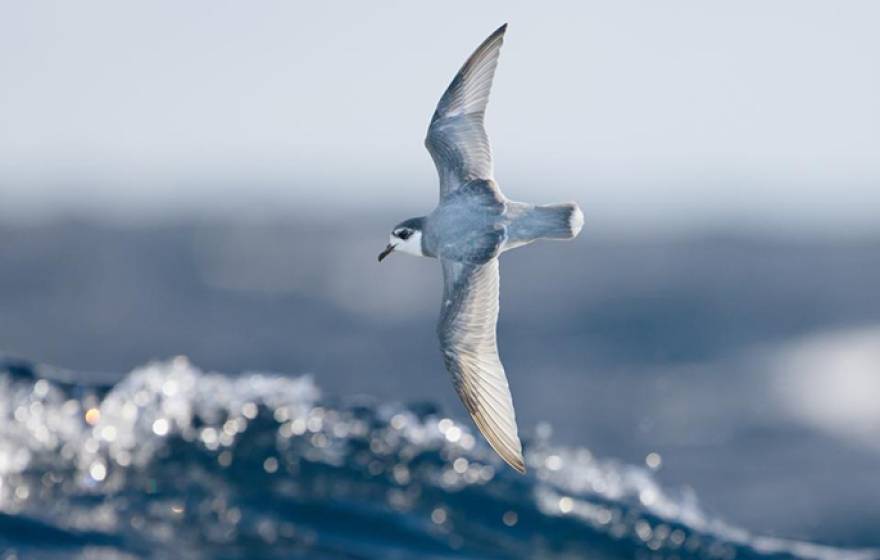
(467, 338)
(457, 140)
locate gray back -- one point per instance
(468, 225)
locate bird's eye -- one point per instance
(404, 234)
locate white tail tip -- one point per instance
(576, 221)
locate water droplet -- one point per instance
(210, 438)
(91, 445)
(643, 530)
(225, 458)
(41, 388)
(108, 433)
(249, 410)
(123, 458)
(544, 430)
(566, 504)
(401, 474)
(170, 388)
(233, 515)
(398, 421)
(98, 471)
(93, 416)
(281, 414)
(160, 427)
(444, 424)
(453, 434)
(298, 427)
(315, 424)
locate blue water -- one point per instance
(173, 462)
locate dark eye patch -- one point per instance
(404, 234)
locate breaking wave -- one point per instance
(173, 462)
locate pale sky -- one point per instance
(653, 115)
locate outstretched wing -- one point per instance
(456, 137)
(467, 338)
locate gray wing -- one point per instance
(467, 338)
(457, 140)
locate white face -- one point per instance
(407, 240)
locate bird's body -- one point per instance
(476, 223)
(471, 226)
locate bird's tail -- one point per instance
(552, 221)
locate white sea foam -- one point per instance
(172, 454)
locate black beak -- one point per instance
(386, 252)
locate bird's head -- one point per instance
(406, 237)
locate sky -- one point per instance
(653, 115)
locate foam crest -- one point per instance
(173, 460)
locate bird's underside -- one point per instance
(460, 148)
(467, 338)
(472, 224)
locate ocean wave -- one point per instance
(173, 462)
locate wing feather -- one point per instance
(457, 139)
(467, 325)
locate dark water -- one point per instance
(172, 462)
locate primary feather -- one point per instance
(457, 139)
(466, 329)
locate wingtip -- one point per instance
(514, 460)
